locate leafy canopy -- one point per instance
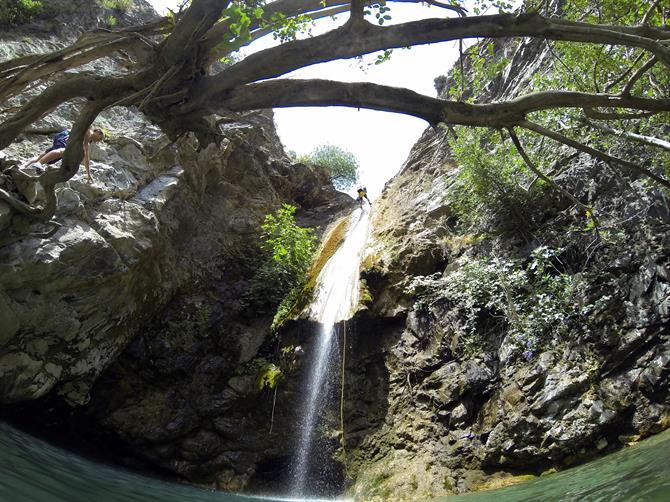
(340, 163)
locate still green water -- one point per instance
(36, 471)
(639, 473)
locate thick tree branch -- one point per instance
(340, 44)
(316, 9)
(357, 11)
(200, 17)
(295, 92)
(87, 86)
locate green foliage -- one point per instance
(380, 10)
(286, 28)
(290, 246)
(242, 17)
(286, 306)
(17, 12)
(383, 57)
(341, 164)
(489, 193)
(536, 302)
(481, 66)
(492, 6)
(269, 374)
(120, 5)
(288, 249)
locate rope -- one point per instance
(272, 417)
(344, 360)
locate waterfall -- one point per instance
(336, 296)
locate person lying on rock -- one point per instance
(55, 153)
(363, 194)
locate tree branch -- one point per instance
(91, 87)
(609, 85)
(357, 8)
(13, 85)
(295, 92)
(647, 140)
(637, 75)
(196, 22)
(593, 152)
(598, 115)
(531, 165)
(339, 44)
(650, 12)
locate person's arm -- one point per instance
(32, 161)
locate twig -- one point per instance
(637, 75)
(624, 74)
(647, 140)
(462, 12)
(590, 213)
(526, 124)
(595, 114)
(650, 12)
(570, 71)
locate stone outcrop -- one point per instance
(158, 217)
(153, 221)
(138, 309)
(445, 412)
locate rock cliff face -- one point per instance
(158, 218)
(137, 310)
(445, 399)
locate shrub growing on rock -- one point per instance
(341, 164)
(288, 249)
(15, 12)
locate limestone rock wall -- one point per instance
(158, 217)
(448, 413)
(145, 227)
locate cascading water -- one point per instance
(336, 297)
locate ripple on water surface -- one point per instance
(33, 470)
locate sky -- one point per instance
(380, 141)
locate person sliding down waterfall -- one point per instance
(363, 194)
(55, 153)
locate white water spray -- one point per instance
(336, 296)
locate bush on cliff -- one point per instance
(341, 164)
(288, 252)
(15, 12)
